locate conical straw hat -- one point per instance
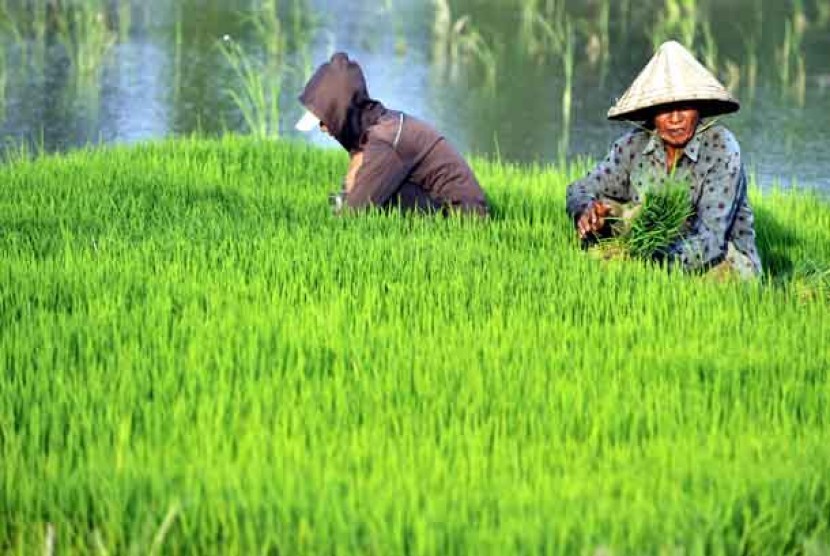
(673, 76)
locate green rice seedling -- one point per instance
(811, 281)
(658, 222)
(197, 357)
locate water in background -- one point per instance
(525, 80)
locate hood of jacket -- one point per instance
(337, 94)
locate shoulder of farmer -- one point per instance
(624, 151)
(378, 144)
(632, 144)
(382, 131)
(614, 169)
(388, 130)
(719, 138)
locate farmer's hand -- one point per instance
(355, 163)
(337, 203)
(593, 219)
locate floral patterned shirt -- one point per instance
(711, 163)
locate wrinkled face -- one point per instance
(676, 126)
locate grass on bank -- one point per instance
(196, 357)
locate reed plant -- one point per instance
(269, 32)
(197, 357)
(678, 20)
(791, 67)
(125, 19)
(545, 29)
(568, 57)
(3, 81)
(258, 94)
(304, 25)
(26, 24)
(750, 65)
(83, 29)
(823, 11)
(457, 42)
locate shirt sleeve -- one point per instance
(378, 178)
(610, 179)
(722, 193)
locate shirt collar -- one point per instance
(692, 150)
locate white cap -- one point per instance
(308, 122)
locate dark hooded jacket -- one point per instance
(403, 161)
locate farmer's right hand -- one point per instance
(337, 203)
(593, 219)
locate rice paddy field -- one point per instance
(198, 358)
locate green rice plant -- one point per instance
(811, 281)
(258, 96)
(659, 222)
(197, 357)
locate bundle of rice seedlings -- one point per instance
(659, 221)
(811, 281)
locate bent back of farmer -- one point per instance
(669, 101)
(396, 161)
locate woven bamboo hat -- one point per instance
(673, 76)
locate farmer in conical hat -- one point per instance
(397, 161)
(669, 102)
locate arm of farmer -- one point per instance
(721, 196)
(609, 180)
(338, 200)
(376, 177)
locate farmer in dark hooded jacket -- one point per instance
(397, 161)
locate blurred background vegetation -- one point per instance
(518, 79)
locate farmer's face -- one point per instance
(676, 126)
